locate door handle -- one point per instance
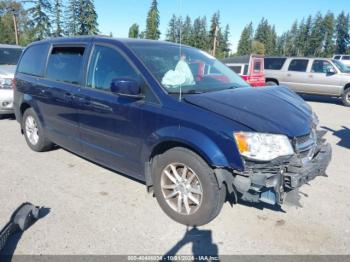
(311, 76)
(68, 96)
(289, 75)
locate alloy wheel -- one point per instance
(181, 188)
(32, 130)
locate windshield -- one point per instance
(9, 56)
(343, 68)
(190, 69)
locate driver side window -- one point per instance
(321, 66)
(107, 65)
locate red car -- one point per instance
(249, 67)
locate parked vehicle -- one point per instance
(319, 76)
(136, 107)
(9, 56)
(249, 67)
(345, 59)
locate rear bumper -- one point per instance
(269, 182)
(6, 101)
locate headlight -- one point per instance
(263, 147)
(315, 120)
(5, 83)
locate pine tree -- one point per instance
(317, 36)
(58, 31)
(200, 34)
(152, 22)
(72, 17)
(245, 42)
(187, 31)
(265, 35)
(291, 48)
(171, 35)
(342, 33)
(224, 45)
(134, 31)
(328, 46)
(281, 44)
(215, 31)
(40, 14)
(88, 18)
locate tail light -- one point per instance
(14, 83)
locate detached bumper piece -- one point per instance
(269, 182)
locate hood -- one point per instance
(276, 110)
(7, 71)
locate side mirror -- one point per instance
(331, 71)
(126, 87)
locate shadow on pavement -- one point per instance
(322, 99)
(343, 134)
(202, 245)
(9, 117)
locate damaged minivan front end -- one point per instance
(269, 181)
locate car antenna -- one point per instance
(180, 42)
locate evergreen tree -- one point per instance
(281, 45)
(200, 33)
(224, 45)
(40, 13)
(58, 31)
(134, 31)
(152, 22)
(265, 35)
(72, 17)
(291, 48)
(342, 33)
(328, 23)
(187, 31)
(245, 42)
(171, 35)
(317, 36)
(88, 18)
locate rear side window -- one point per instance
(337, 57)
(274, 63)
(236, 69)
(346, 57)
(257, 66)
(33, 60)
(298, 65)
(65, 64)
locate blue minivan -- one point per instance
(171, 116)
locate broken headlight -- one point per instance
(263, 147)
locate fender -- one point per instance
(194, 140)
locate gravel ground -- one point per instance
(91, 210)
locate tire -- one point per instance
(271, 83)
(31, 125)
(346, 97)
(210, 201)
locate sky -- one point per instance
(117, 16)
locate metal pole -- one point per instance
(15, 26)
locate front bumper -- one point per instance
(269, 182)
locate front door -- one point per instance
(323, 78)
(110, 125)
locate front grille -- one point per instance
(305, 146)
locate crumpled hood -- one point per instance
(7, 71)
(276, 110)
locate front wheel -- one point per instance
(34, 132)
(346, 97)
(186, 187)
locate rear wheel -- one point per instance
(186, 187)
(271, 83)
(34, 132)
(346, 97)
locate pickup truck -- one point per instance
(319, 76)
